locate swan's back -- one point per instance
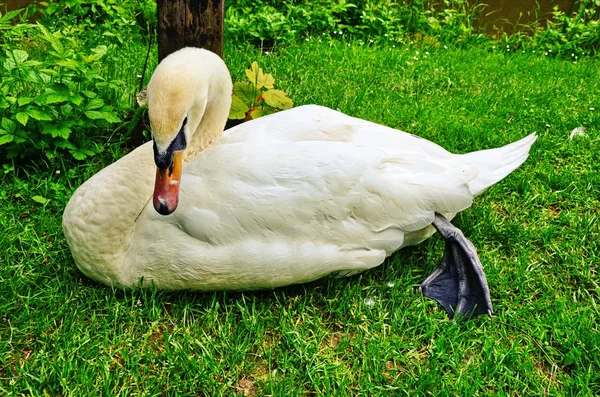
(318, 123)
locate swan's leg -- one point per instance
(458, 284)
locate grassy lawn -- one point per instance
(373, 334)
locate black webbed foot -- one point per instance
(459, 283)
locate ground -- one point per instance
(373, 334)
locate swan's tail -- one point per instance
(495, 164)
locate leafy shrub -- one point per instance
(565, 35)
(109, 19)
(53, 105)
(61, 92)
(257, 97)
(577, 34)
(269, 21)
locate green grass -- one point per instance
(536, 232)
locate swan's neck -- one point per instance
(99, 220)
(212, 122)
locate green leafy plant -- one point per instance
(56, 104)
(267, 22)
(572, 34)
(90, 19)
(257, 97)
(451, 22)
(6, 19)
(566, 35)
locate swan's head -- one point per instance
(178, 96)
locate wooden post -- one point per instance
(190, 23)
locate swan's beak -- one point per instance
(166, 187)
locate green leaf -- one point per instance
(62, 132)
(100, 51)
(258, 78)
(38, 115)
(238, 109)
(89, 94)
(94, 115)
(57, 131)
(18, 56)
(50, 72)
(9, 125)
(9, 64)
(55, 98)
(77, 155)
(69, 63)
(111, 117)
(24, 101)
(41, 99)
(65, 124)
(8, 168)
(32, 63)
(58, 88)
(245, 91)
(50, 154)
(66, 109)
(40, 199)
(256, 113)
(95, 104)
(9, 15)
(44, 77)
(81, 154)
(76, 99)
(48, 128)
(5, 137)
(22, 118)
(278, 99)
(52, 39)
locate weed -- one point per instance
(257, 97)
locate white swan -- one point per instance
(284, 199)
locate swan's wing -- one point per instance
(301, 190)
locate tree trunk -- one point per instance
(190, 23)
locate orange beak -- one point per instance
(166, 186)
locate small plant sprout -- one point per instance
(257, 97)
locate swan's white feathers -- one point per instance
(284, 199)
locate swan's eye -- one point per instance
(179, 142)
(164, 159)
